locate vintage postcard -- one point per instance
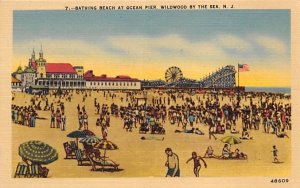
(121, 93)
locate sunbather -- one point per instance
(237, 155)
(209, 152)
(226, 152)
(281, 134)
(245, 135)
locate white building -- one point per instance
(121, 82)
(16, 84)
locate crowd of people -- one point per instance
(23, 115)
(182, 112)
(209, 110)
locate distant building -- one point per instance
(18, 73)
(55, 75)
(28, 77)
(79, 70)
(16, 84)
(121, 82)
(40, 73)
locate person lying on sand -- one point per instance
(152, 138)
(281, 134)
(193, 130)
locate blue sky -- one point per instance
(208, 38)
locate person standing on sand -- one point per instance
(172, 163)
(275, 154)
(63, 122)
(80, 120)
(85, 121)
(52, 124)
(58, 119)
(197, 164)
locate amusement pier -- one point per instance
(40, 75)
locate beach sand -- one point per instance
(146, 158)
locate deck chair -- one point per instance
(21, 170)
(73, 145)
(33, 171)
(69, 151)
(80, 158)
(103, 164)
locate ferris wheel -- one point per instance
(173, 74)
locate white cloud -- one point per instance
(177, 46)
(272, 45)
(233, 42)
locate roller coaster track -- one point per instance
(214, 80)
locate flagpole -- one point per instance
(238, 76)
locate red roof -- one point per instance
(123, 77)
(33, 65)
(88, 73)
(89, 76)
(59, 68)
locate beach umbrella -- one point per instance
(231, 140)
(88, 133)
(106, 145)
(90, 140)
(38, 152)
(77, 134)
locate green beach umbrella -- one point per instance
(38, 152)
(90, 140)
(231, 140)
(80, 134)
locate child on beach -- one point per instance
(197, 164)
(275, 154)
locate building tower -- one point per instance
(41, 65)
(31, 62)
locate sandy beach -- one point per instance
(146, 158)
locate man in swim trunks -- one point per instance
(172, 163)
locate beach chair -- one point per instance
(103, 164)
(33, 171)
(21, 170)
(80, 158)
(73, 145)
(69, 151)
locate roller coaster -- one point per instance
(222, 78)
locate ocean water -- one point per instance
(269, 89)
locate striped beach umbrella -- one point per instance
(231, 140)
(90, 140)
(38, 152)
(106, 145)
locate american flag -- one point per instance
(243, 67)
